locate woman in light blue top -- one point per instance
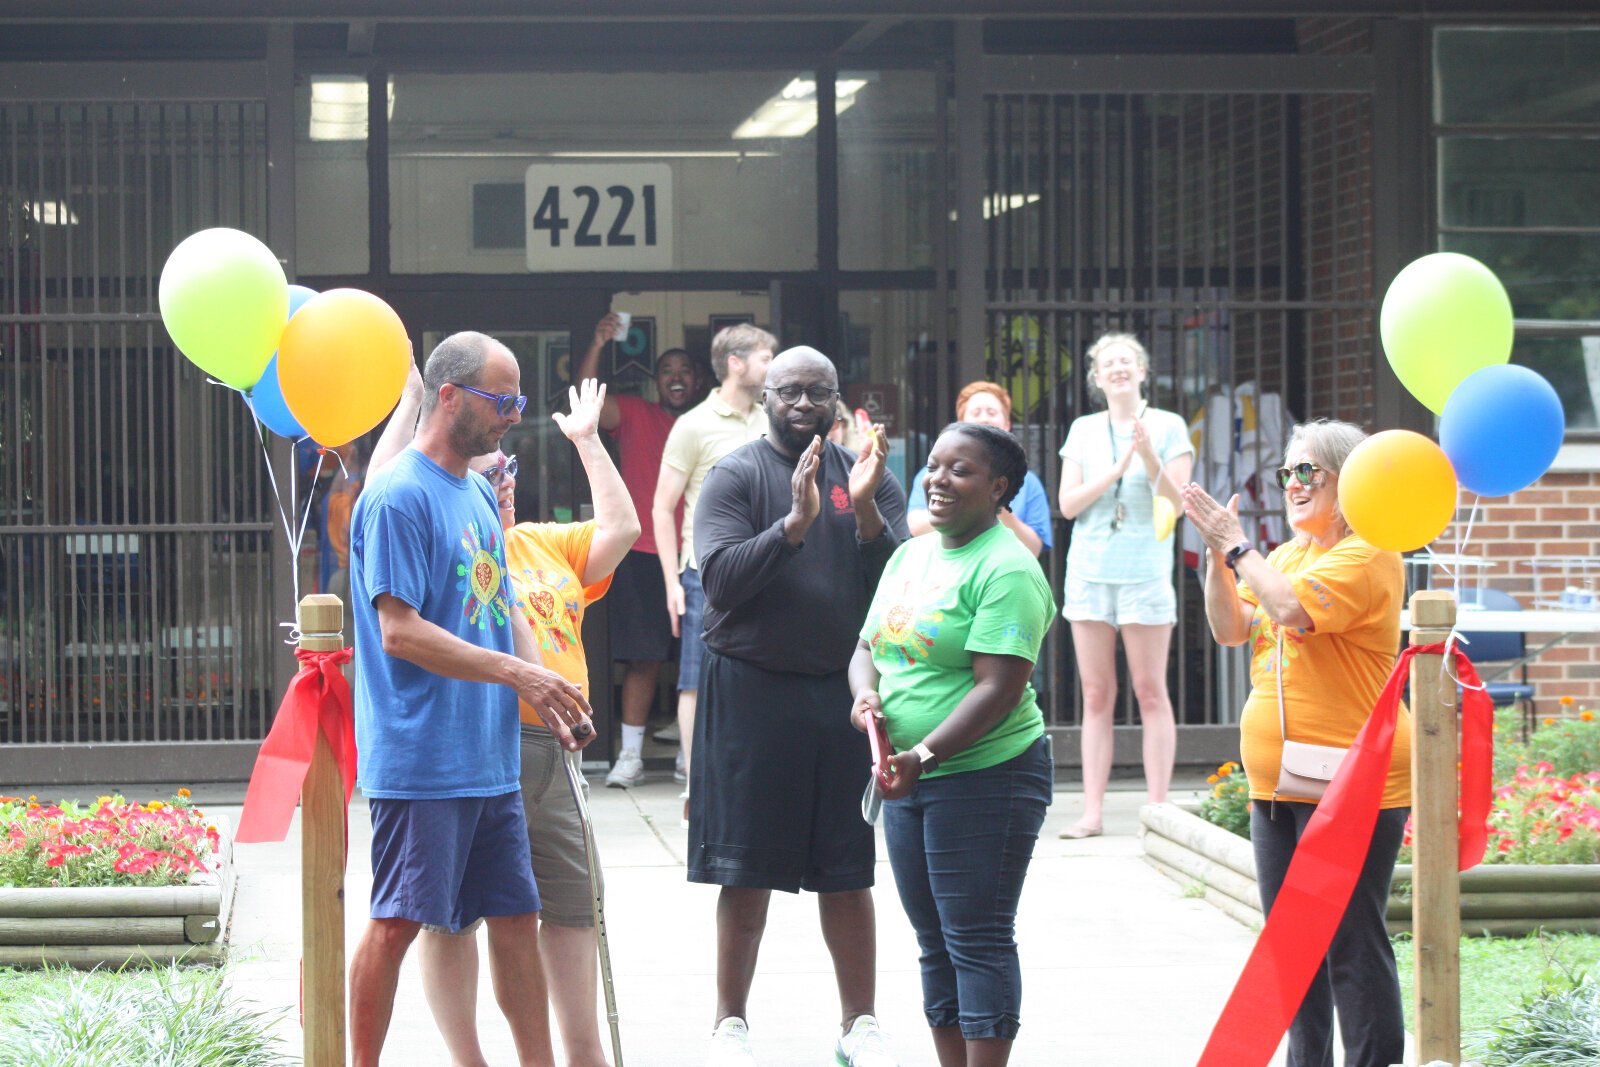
(1119, 571)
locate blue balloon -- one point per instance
(267, 400)
(266, 396)
(1501, 427)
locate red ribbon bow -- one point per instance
(1328, 860)
(318, 699)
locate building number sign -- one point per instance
(585, 216)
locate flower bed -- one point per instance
(1502, 899)
(112, 884)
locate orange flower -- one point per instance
(1566, 702)
(1212, 779)
(1586, 715)
(1549, 722)
(183, 792)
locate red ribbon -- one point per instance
(318, 699)
(1328, 860)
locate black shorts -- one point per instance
(775, 797)
(636, 608)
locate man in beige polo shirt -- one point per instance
(726, 419)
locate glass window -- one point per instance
(736, 152)
(1503, 76)
(888, 173)
(1572, 364)
(330, 174)
(1519, 181)
(887, 365)
(1547, 276)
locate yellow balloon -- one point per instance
(342, 364)
(1397, 490)
(1165, 517)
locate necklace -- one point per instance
(1120, 515)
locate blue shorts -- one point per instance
(452, 861)
(691, 642)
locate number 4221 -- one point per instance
(549, 216)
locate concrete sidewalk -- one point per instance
(1119, 967)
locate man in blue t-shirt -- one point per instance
(439, 669)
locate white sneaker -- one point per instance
(864, 1045)
(730, 1044)
(629, 770)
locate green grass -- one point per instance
(59, 1018)
(1496, 972)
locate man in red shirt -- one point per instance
(641, 633)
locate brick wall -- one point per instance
(1557, 516)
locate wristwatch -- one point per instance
(1231, 560)
(929, 762)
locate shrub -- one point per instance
(112, 843)
(1570, 743)
(116, 1020)
(1228, 806)
(1557, 1025)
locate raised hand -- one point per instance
(1143, 445)
(807, 497)
(867, 472)
(1218, 526)
(586, 400)
(607, 329)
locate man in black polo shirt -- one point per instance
(793, 533)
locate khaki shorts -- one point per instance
(555, 835)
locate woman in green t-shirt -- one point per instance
(944, 660)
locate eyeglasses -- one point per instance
(817, 394)
(505, 404)
(497, 473)
(1303, 473)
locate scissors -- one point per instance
(882, 775)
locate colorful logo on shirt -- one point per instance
(910, 622)
(1264, 646)
(841, 500)
(550, 601)
(483, 599)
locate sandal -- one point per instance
(1078, 831)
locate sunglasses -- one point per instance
(1300, 472)
(505, 404)
(497, 473)
(817, 394)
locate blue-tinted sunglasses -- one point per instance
(505, 404)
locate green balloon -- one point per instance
(1445, 315)
(224, 299)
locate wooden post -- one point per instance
(322, 866)
(1435, 801)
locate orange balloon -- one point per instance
(1397, 490)
(342, 364)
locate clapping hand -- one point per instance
(1218, 526)
(866, 475)
(807, 497)
(586, 400)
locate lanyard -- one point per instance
(1120, 515)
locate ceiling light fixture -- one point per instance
(793, 112)
(339, 107)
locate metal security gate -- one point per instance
(1230, 231)
(136, 522)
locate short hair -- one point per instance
(1329, 442)
(457, 360)
(1003, 451)
(972, 389)
(736, 341)
(1113, 340)
(662, 356)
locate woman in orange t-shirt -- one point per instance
(1322, 616)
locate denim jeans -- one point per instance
(959, 847)
(1358, 974)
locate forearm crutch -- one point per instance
(596, 904)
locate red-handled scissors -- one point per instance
(882, 775)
